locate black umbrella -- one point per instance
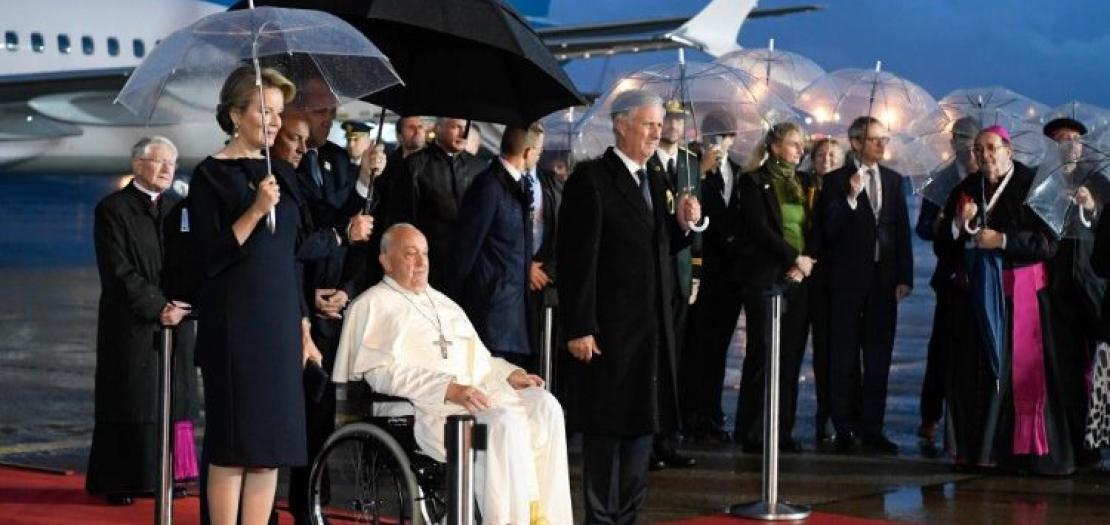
(473, 59)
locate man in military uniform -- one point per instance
(680, 169)
(358, 139)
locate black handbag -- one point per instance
(316, 381)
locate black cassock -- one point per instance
(129, 240)
(972, 386)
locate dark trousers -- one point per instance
(614, 477)
(749, 410)
(861, 331)
(319, 423)
(819, 333)
(936, 362)
(666, 441)
(703, 366)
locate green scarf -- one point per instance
(783, 174)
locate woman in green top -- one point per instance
(775, 228)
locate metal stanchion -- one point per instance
(463, 436)
(547, 366)
(770, 508)
(163, 497)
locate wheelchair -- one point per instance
(372, 472)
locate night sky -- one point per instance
(1051, 51)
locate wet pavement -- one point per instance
(47, 336)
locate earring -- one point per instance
(235, 131)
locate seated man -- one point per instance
(406, 339)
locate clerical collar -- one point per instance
(392, 283)
(515, 173)
(149, 193)
(632, 165)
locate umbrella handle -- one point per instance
(700, 226)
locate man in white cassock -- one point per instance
(406, 339)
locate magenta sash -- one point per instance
(1027, 368)
(184, 451)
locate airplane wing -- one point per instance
(714, 30)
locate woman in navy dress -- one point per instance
(252, 340)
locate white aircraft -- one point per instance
(64, 61)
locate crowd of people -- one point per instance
(424, 272)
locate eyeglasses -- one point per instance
(877, 140)
(164, 162)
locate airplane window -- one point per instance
(63, 44)
(113, 46)
(11, 41)
(138, 48)
(37, 42)
(87, 45)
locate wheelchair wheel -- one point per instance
(363, 475)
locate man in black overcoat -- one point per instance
(866, 251)
(128, 236)
(428, 192)
(615, 284)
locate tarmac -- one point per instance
(48, 333)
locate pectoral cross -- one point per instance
(442, 343)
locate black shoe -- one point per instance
(789, 446)
(826, 444)
(119, 499)
(676, 460)
(656, 463)
(879, 444)
(848, 443)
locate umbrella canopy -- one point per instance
(716, 99)
(559, 127)
(474, 59)
(941, 136)
(1068, 167)
(181, 78)
(833, 101)
(781, 72)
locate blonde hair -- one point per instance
(762, 149)
(239, 88)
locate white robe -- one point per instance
(389, 343)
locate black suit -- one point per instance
(1100, 262)
(718, 305)
(769, 257)
(552, 189)
(932, 386)
(615, 283)
(330, 204)
(427, 193)
(863, 292)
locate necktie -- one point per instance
(311, 157)
(645, 188)
(873, 191)
(671, 170)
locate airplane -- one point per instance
(64, 61)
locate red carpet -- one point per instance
(29, 497)
(817, 518)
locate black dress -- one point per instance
(249, 334)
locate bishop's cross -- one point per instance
(442, 343)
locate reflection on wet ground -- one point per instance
(48, 327)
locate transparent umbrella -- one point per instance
(181, 78)
(1069, 168)
(832, 102)
(947, 133)
(702, 89)
(781, 72)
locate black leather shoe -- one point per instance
(656, 463)
(848, 443)
(879, 444)
(676, 460)
(120, 499)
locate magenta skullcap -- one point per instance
(997, 130)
